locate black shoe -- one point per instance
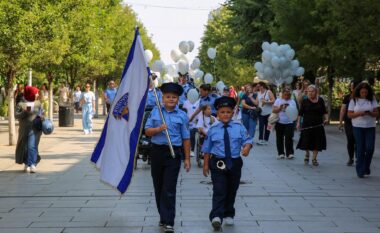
(168, 228)
(216, 223)
(350, 162)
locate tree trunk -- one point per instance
(330, 73)
(11, 117)
(51, 99)
(11, 108)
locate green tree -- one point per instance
(15, 29)
(218, 34)
(250, 23)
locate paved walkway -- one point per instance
(277, 195)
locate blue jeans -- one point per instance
(32, 148)
(365, 146)
(249, 124)
(87, 116)
(263, 132)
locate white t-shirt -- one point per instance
(266, 108)
(362, 105)
(205, 124)
(76, 96)
(190, 108)
(284, 119)
(88, 97)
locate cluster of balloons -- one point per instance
(277, 64)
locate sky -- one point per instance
(172, 21)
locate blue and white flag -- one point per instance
(115, 152)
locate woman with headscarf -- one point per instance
(314, 115)
(29, 134)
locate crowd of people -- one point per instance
(226, 123)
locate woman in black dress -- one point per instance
(311, 119)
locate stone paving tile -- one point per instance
(279, 196)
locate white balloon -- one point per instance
(267, 56)
(291, 112)
(192, 95)
(259, 67)
(220, 86)
(273, 46)
(196, 63)
(183, 66)
(290, 54)
(148, 55)
(260, 75)
(286, 73)
(198, 74)
(287, 47)
(191, 45)
(211, 53)
(167, 78)
(275, 62)
(288, 80)
(208, 78)
(300, 71)
(158, 66)
(171, 69)
(268, 72)
(265, 45)
(184, 47)
(282, 62)
(175, 54)
(295, 64)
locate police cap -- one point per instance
(225, 101)
(172, 88)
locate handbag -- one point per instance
(273, 118)
(254, 113)
(37, 123)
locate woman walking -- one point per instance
(88, 107)
(29, 133)
(266, 100)
(285, 126)
(314, 115)
(363, 112)
(343, 117)
(249, 114)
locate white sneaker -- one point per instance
(33, 169)
(291, 156)
(85, 131)
(26, 168)
(216, 223)
(229, 221)
(90, 131)
(192, 154)
(260, 142)
(280, 156)
(265, 143)
(168, 228)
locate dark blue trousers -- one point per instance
(225, 185)
(165, 170)
(365, 147)
(263, 124)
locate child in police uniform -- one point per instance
(222, 148)
(165, 168)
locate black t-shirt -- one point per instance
(346, 101)
(312, 113)
(248, 101)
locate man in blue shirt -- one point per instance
(165, 168)
(222, 147)
(109, 94)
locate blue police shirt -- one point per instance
(111, 93)
(209, 99)
(214, 141)
(177, 122)
(151, 100)
(183, 97)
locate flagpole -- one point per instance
(162, 118)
